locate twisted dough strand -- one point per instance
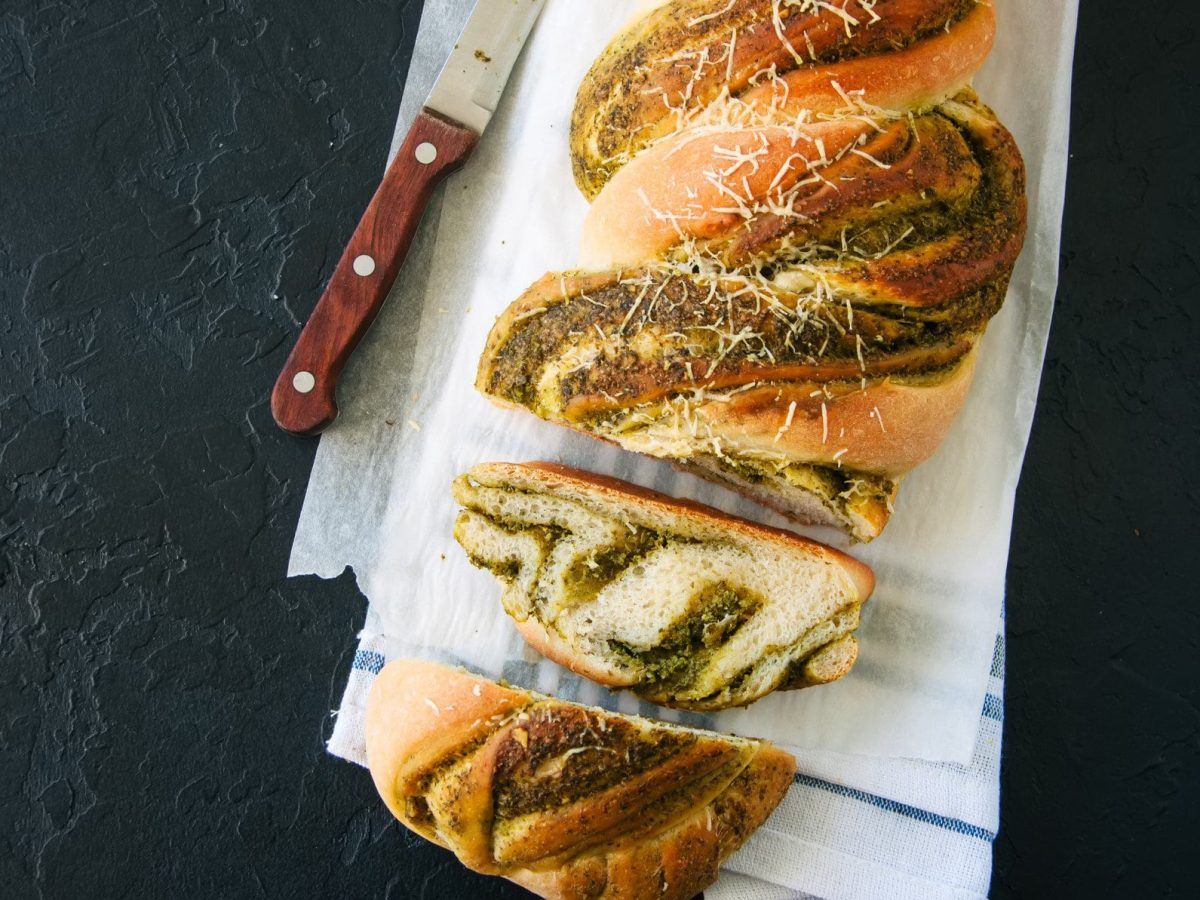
(569, 801)
(679, 61)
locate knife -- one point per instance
(445, 132)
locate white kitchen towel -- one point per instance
(850, 827)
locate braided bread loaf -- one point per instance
(803, 221)
(569, 801)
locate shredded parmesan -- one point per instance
(787, 424)
(713, 15)
(777, 20)
(529, 314)
(867, 156)
(878, 417)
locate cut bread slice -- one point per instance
(684, 605)
(569, 801)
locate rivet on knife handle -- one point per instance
(303, 401)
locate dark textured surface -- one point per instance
(176, 181)
(1101, 779)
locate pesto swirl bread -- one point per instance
(803, 221)
(682, 604)
(568, 801)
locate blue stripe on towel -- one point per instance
(368, 661)
(903, 809)
(993, 707)
(998, 658)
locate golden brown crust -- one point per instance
(869, 173)
(658, 73)
(880, 399)
(919, 212)
(685, 860)
(525, 786)
(918, 77)
(841, 422)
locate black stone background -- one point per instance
(176, 182)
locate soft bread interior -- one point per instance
(689, 608)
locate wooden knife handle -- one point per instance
(303, 401)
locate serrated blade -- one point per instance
(469, 87)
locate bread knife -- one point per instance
(445, 132)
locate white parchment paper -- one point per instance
(379, 498)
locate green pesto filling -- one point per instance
(834, 486)
(508, 569)
(686, 646)
(587, 578)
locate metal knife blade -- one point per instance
(470, 84)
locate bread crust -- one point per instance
(917, 77)
(668, 190)
(685, 192)
(441, 744)
(878, 421)
(637, 91)
(889, 427)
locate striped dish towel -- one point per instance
(850, 827)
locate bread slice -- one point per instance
(685, 605)
(566, 800)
